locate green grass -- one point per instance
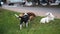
(9, 24)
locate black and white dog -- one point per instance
(24, 19)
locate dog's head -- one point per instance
(21, 14)
(32, 15)
(48, 13)
(25, 14)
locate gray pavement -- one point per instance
(39, 11)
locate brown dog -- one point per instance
(32, 15)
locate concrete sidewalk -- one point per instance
(39, 11)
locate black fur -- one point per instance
(24, 19)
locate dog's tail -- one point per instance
(16, 15)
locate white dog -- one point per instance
(45, 20)
(50, 15)
(48, 18)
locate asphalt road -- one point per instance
(39, 11)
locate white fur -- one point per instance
(45, 20)
(25, 14)
(48, 18)
(27, 24)
(52, 16)
(20, 26)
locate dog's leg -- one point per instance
(42, 20)
(47, 20)
(29, 21)
(27, 24)
(20, 26)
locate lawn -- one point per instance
(9, 24)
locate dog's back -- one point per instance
(25, 18)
